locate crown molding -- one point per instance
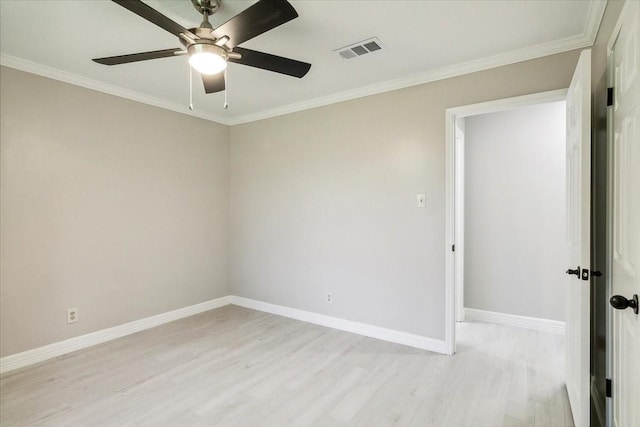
(584, 40)
(78, 80)
(594, 18)
(520, 55)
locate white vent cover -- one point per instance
(361, 48)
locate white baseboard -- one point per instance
(50, 351)
(30, 357)
(544, 325)
(384, 334)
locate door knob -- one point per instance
(620, 303)
(576, 272)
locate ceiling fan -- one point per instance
(209, 49)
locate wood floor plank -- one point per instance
(238, 367)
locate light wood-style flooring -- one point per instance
(238, 367)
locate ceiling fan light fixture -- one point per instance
(207, 58)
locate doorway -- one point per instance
(493, 300)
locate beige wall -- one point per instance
(108, 205)
(324, 200)
(124, 210)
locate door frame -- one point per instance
(454, 200)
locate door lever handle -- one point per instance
(620, 303)
(576, 272)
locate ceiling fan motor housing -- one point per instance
(207, 46)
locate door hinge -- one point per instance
(609, 96)
(453, 248)
(607, 389)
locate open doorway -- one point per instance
(578, 226)
(506, 206)
(513, 210)
(509, 221)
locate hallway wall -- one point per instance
(514, 211)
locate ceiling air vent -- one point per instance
(361, 48)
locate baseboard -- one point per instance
(544, 325)
(384, 334)
(30, 357)
(50, 351)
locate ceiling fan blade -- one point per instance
(213, 82)
(135, 57)
(255, 20)
(155, 17)
(270, 62)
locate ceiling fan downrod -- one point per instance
(206, 7)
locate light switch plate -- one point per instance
(421, 200)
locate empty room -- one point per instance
(319, 213)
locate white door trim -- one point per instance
(453, 213)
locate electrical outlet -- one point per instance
(72, 315)
(329, 298)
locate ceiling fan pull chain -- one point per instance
(190, 89)
(226, 106)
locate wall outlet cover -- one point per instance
(72, 315)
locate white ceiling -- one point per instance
(423, 41)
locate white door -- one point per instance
(626, 219)
(578, 193)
